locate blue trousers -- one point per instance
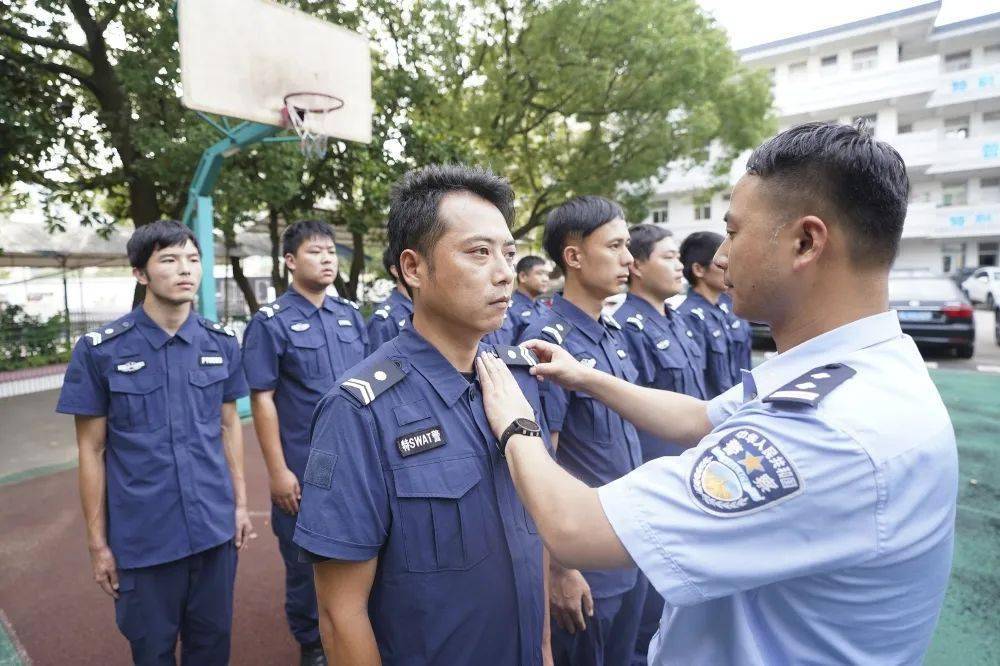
(610, 635)
(191, 598)
(300, 592)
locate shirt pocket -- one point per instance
(347, 332)
(442, 515)
(308, 356)
(206, 392)
(137, 403)
(591, 419)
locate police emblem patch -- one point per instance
(744, 472)
(300, 326)
(345, 322)
(420, 441)
(130, 367)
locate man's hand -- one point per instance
(558, 365)
(571, 600)
(102, 561)
(243, 528)
(285, 491)
(503, 400)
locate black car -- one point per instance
(934, 312)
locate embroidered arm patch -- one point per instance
(319, 469)
(741, 474)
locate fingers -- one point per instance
(483, 373)
(564, 623)
(113, 579)
(543, 350)
(576, 615)
(293, 502)
(104, 581)
(588, 603)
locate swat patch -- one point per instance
(365, 387)
(319, 469)
(130, 367)
(743, 473)
(211, 360)
(420, 441)
(300, 326)
(813, 386)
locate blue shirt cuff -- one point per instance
(317, 544)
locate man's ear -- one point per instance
(572, 256)
(290, 261)
(810, 237)
(698, 270)
(411, 263)
(635, 268)
(140, 276)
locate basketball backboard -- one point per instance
(241, 58)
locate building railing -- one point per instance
(967, 85)
(928, 220)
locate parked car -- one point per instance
(961, 274)
(934, 312)
(996, 323)
(983, 286)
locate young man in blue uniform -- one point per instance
(701, 309)
(424, 553)
(595, 615)
(741, 335)
(532, 282)
(663, 350)
(392, 315)
(813, 521)
(161, 457)
(293, 351)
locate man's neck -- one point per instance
(706, 292)
(637, 290)
(310, 293)
(458, 345)
(575, 293)
(527, 294)
(168, 316)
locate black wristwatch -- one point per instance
(518, 427)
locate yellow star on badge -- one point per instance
(750, 463)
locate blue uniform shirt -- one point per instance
(504, 335)
(815, 523)
(714, 336)
(523, 311)
(596, 445)
(169, 490)
(404, 467)
(388, 319)
(664, 352)
(742, 337)
(298, 350)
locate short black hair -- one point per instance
(840, 172)
(527, 264)
(388, 261)
(298, 233)
(699, 248)
(643, 238)
(578, 217)
(415, 201)
(154, 236)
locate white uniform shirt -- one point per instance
(815, 523)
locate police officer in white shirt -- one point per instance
(812, 519)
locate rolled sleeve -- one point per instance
(344, 513)
(84, 392)
(261, 356)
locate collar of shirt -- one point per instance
(303, 304)
(699, 300)
(829, 347)
(397, 299)
(156, 336)
(592, 328)
(522, 301)
(428, 361)
(646, 309)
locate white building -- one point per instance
(933, 92)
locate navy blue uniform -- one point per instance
(523, 311)
(388, 319)
(404, 467)
(596, 446)
(714, 335)
(170, 507)
(298, 350)
(504, 335)
(742, 336)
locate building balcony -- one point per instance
(919, 76)
(930, 221)
(956, 155)
(969, 85)
(918, 149)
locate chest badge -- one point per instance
(130, 367)
(300, 326)
(663, 344)
(588, 362)
(716, 333)
(420, 441)
(345, 322)
(211, 360)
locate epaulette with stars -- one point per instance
(347, 301)
(270, 309)
(813, 386)
(611, 322)
(382, 313)
(699, 313)
(103, 335)
(366, 386)
(558, 331)
(516, 355)
(636, 320)
(216, 327)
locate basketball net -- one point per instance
(304, 112)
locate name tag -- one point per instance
(345, 322)
(298, 327)
(211, 360)
(420, 441)
(130, 367)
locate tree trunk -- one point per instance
(244, 284)
(357, 263)
(279, 278)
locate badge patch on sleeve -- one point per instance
(742, 473)
(420, 441)
(319, 469)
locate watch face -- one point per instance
(527, 424)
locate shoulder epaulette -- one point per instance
(101, 336)
(270, 309)
(367, 386)
(611, 321)
(216, 327)
(636, 321)
(699, 313)
(382, 313)
(347, 301)
(516, 355)
(814, 385)
(558, 330)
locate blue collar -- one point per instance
(521, 300)
(397, 299)
(428, 361)
(156, 336)
(644, 307)
(293, 298)
(592, 328)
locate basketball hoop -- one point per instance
(300, 108)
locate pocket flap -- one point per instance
(139, 383)
(207, 377)
(670, 359)
(447, 479)
(412, 412)
(304, 341)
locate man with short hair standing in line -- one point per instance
(390, 316)
(532, 282)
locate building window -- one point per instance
(956, 62)
(955, 193)
(989, 190)
(797, 71)
(828, 65)
(991, 54)
(988, 254)
(869, 120)
(904, 128)
(661, 215)
(862, 59)
(957, 127)
(703, 211)
(991, 121)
